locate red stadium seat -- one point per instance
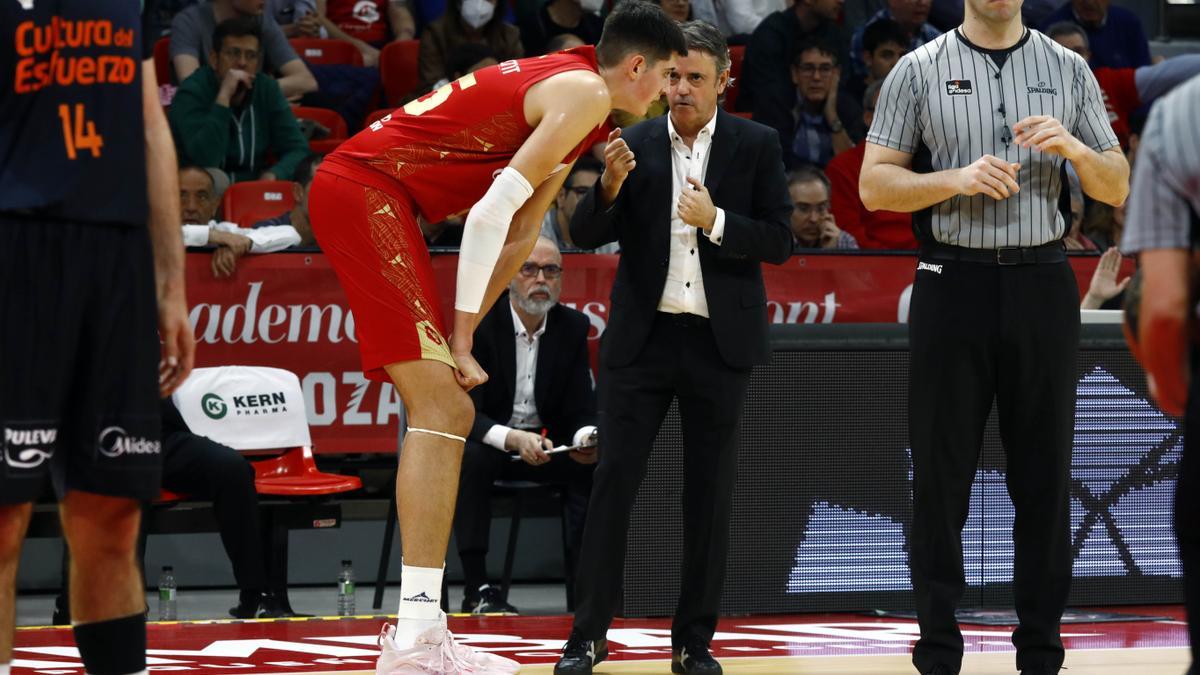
(248, 202)
(398, 69)
(162, 61)
(328, 119)
(318, 51)
(737, 54)
(295, 474)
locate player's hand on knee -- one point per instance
(469, 374)
(991, 176)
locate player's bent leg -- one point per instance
(108, 603)
(14, 520)
(440, 415)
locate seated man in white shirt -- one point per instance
(198, 204)
(539, 396)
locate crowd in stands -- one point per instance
(810, 69)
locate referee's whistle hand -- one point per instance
(989, 175)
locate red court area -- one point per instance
(328, 645)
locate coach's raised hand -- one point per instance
(991, 176)
(618, 162)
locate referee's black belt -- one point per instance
(1052, 252)
(683, 319)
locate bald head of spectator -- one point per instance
(1072, 36)
(535, 289)
(197, 196)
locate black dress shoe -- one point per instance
(259, 606)
(694, 657)
(487, 600)
(579, 655)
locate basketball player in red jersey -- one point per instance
(500, 143)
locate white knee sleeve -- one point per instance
(484, 234)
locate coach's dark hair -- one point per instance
(811, 44)
(703, 36)
(1068, 28)
(240, 26)
(882, 32)
(639, 27)
(806, 173)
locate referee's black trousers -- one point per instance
(980, 332)
(680, 360)
(1187, 514)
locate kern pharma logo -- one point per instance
(213, 406)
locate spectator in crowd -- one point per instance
(367, 24)
(1126, 90)
(871, 229)
(812, 223)
(555, 226)
(198, 205)
(297, 18)
(912, 15)
(465, 21)
(766, 82)
(1103, 224)
(736, 17)
(468, 57)
(204, 469)
(539, 396)
(1115, 33)
(680, 10)
(1103, 290)
(191, 43)
(563, 41)
(297, 217)
(811, 130)
(559, 17)
(229, 115)
(884, 42)
(1074, 239)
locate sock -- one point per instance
(420, 603)
(5, 669)
(113, 647)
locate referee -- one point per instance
(970, 135)
(1163, 226)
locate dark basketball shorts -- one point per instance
(79, 356)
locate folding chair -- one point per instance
(257, 411)
(320, 51)
(248, 202)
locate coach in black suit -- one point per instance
(688, 320)
(537, 354)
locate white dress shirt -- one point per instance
(684, 291)
(266, 239)
(524, 410)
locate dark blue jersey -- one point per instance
(72, 138)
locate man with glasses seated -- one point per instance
(813, 224)
(813, 129)
(555, 224)
(539, 397)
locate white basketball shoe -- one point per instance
(437, 653)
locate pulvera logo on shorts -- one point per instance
(28, 448)
(114, 442)
(959, 88)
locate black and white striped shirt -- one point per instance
(950, 102)
(1164, 201)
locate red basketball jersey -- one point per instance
(446, 147)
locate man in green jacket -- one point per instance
(228, 115)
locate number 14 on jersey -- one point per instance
(79, 133)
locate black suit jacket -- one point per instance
(562, 386)
(745, 178)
